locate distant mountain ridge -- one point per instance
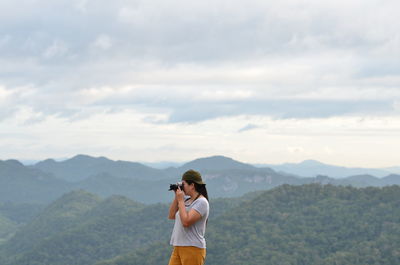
(19, 183)
(312, 168)
(81, 167)
(225, 177)
(216, 163)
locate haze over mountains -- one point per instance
(312, 168)
(306, 168)
(225, 177)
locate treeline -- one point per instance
(293, 225)
(81, 228)
(310, 224)
(14, 215)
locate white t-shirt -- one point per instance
(194, 234)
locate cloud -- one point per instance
(181, 79)
(191, 63)
(248, 127)
(4, 93)
(103, 42)
(295, 149)
(396, 106)
(56, 49)
(81, 5)
(279, 109)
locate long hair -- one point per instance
(200, 188)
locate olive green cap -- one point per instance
(193, 175)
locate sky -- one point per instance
(171, 80)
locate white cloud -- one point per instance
(248, 127)
(4, 93)
(126, 135)
(93, 95)
(396, 105)
(103, 42)
(56, 49)
(225, 95)
(296, 72)
(295, 149)
(81, 5)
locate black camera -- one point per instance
(174, 187)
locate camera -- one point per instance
(174, 187)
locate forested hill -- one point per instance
(309, 224)
(292, 225)
(80, 228)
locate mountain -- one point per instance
(359, 181)
(20, 213)
(80, 228)
(308, 224)
(312, 168)
(102, 228)
(145, 191)
(216, 163)
(365, 181)
(220, 183)
(81, 167)
(221, 180)
(15, 215)
(392, 179)
(55, 218)
(19, 183)
(7, 228)
(224, 176)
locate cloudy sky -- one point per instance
(173, 80)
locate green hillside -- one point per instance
(57, 217)
(290, 225)
(80, 228)
(7, 228)
(15, 215)
(20, 213)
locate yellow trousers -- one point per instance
(187, 256)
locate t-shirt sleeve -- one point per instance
(201, 206)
